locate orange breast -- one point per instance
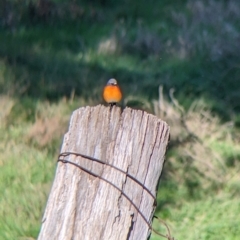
(112, 94)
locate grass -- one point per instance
(198, 219)
(25, 177)
(203, 165)
(53, 64)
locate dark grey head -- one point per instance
(112, 81)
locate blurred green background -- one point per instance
(179, 60)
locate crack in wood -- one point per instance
(132, 140)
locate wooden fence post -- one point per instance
(83, 206)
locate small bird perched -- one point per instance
(112, 92)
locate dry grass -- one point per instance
(27, 163)
(7, 104)
(202, 143)
(50, 123)
(44, 131)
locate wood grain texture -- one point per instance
(81, 206)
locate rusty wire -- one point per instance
(65, 154)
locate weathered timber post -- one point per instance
(83, 206)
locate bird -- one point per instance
(112, 92)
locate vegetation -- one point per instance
(176, 59)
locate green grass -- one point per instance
(25, 175)
(51, 66)
(214, 217)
